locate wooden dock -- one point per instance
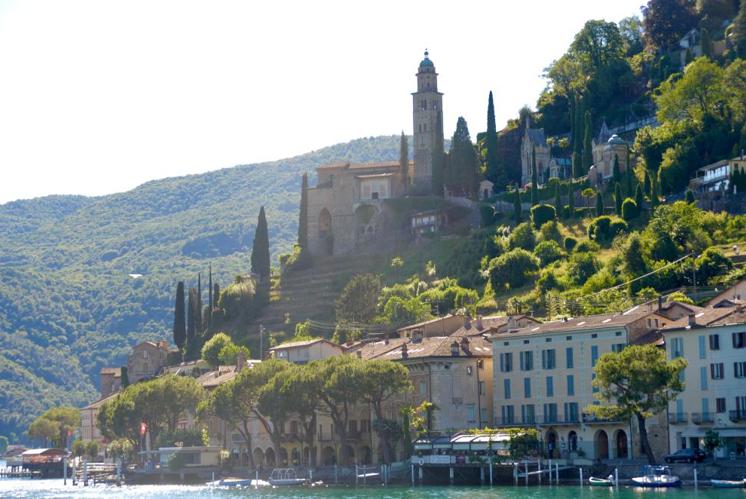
(17, 472)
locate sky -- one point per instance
(99, 96)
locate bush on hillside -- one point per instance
(570, 243)
(604, 228)
(548, 252)
(712, 262)
(630, 210)
(581, 267)
(542, 213)
(586, 246)
(550, 232)
(523, 236)
(513, 269)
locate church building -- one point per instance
(347, 208)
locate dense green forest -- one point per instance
(68, 305)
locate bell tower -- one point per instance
(428, 128)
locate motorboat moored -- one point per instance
(728, 484)
(657, 476)
(605, 482)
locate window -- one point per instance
(482, 415)
(716, 371)
(570, 361)
(739, 369)
(423, 388)
(594, 355)
(550, 413)
(741, 405)
(617, 347)
(548, 360)
(506, 362)
(677, 347)
(714, 342)
(506, 388)
(481, 387)
(572, 414)
(527, 387)
(527, 361)
(353, 426)
(571, 385)
(471, 413)
(739, 340)
(705, 408)
(702, 347)
(720, 404)
(528, 414)
(703, 378)
(550, 386)
(508, 414)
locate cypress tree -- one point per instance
(404, 161)
(216, 293)
(618, 199)
(629, 176)
(179, 317)
(654, 201)
(534, 180)
(462, 173)
(571, 199)
(639, 197)
(599, 204)
(577, 167)
(517, 207)
(198, 305)
(303, 217)
(557, 199)
(587, 144)
(615, 169)
(689, 196)
(209, 299)
(493, 167)
(124, 379)
(577, 129)
(647, 183)
(260, 260)
(191, 336)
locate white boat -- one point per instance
(239, 483)
(606, 482)
(285, 477)
(728, 484)
(657, 476)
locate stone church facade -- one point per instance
(347, 209)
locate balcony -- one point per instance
(514, 422)
(677, 418)
(703, 417)
(737, 416)
(591, 419)
(556, 420)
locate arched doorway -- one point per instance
(325, 231)
(551, 443)
(283, 457)
(366, 456)
(269, 457)
(572, 441)
(295, 457)
(348, 455)
(327, 456)
(258, 457)
(621, 444)
(601, 445)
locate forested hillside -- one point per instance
(68, 304)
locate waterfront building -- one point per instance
(146, 360)
(713, 341)
(543, 375)
(89, 422)
(303, 352)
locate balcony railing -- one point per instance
(677, 417)
(517, 422)
(703, 417)
(592, 419)
(739, 415)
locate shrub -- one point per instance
(548, 252)
(710, 263)
(512, 269)
(617, 227)
(570, 243)
(604, 229)
(487, 214)
(547, 281)
(581, 267)
(586, 247)
(542, 213)
(522, 237)
(550, 232)
(214, 346)
(629, 209)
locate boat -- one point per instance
(607, 482)
(239, 483)
(728, 484)
(657, 476)
(285, 477)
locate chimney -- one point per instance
(454, 349)
(692, 321)
(359, 354)
(404, 352)
(240, 361)
(660, 303)
(479, 322)
(163, 345)
(511, 323)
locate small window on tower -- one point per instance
(424, 127)
(424, 104)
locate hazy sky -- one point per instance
(99, 96)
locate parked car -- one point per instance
(686, 456)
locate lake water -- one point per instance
(54, 489)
